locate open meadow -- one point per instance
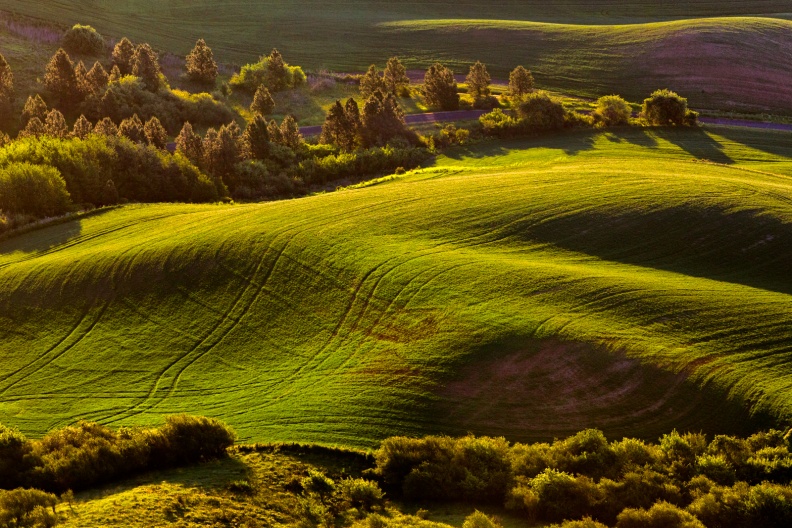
(641, 288)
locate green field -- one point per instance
(528, 288)
(587, 48)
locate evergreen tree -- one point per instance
(371, 82)
(5, 139)
(155, 133)
(81, 74)
(188, 143)
(34, 128)
(61, 80)
(208, 147)
(106, 127)
(440, 88)
(262, 101)
(97, 78)
(201, 66)
(6, 88)
(290, 133)
(521, 82)
(352, 111)
(338, 130)
(122, 56)
(277, 77)
(395, 77)
(115, 75)
(132, 128)
(222, 153)
(478, 81)
(82, 128)
(256, 139)
(381, 120)
(34, 107)
(274, 132)
(55, 124)
(146, 66)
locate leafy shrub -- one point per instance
(498, 123)
(35, 190)
(665, 107)
(586, 522)
(586, 453)
(716, 468)
(362, 494)
(16, 457)
(540, 112)
(83, 39)
(612, 110)
(661, 515)
(373, 161)
(562, 496)
(27, 507)
(478, 519)
(251, 76)
(194, 439)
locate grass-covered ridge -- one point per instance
(533, 278)
(738, 59)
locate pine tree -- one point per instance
(81, 74)
(34, 107)
(208, 146)
(395, 77)
(106, 127)
(222, 153)
(352, 111)
(155, 133)
(521, 82)
(5, 139)
(188, 143)
(132, 128)
(61, 80)
(122, 56)
(290, 133)
(263, 103)
(55, 125)
(82, 128)
(97, 78)
(277, 78)
(371, 82)
(115, 75)
(381, 119)
(274, 132)
(478, 81)
(338, 129)
(201, 66)
(146, 66)
(440, 88)
(34, 128)
(256, 139)
(6, 88)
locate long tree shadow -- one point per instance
(695, 142)
(771, 141)
(571, 143)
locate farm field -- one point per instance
(528, 288)
(737, 62)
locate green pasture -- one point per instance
(737, 62)
(527, 288)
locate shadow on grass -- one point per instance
(571, 143)
(773, 142)
(695, 142)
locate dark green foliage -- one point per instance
(35, 190)
(381, 120)
(664, 108)
(478, 81)
(364, 495)
(193, 439)
(200, 63)
(61, 80)
(222, 150)
(84, 40)
(371, 82)
(540, 112)
(395, 77)
(155, 134)
(585, 453)
(34, 107)
(263, 103)
(110, 194)
(188, 143)
(339, 128)
(122, 56)
(27, 507)
(132, 129)
(6, 89)
(521, 82)
(256, 139)
(586, 522)
(563, 496)
(145, 65)
(612, 110)
(370, 162)
(290, 133)
(141, 173)
(440, 88)
(15, 451)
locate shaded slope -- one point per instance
(352, 316)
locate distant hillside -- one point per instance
(528, 288)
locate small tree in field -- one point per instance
(263, 103)
(440, 88)
(83, 39)
(201, 66)
(521, 82)
(371, 82)
(122, 56)
(395, 78)
(145, 64)
(612, 110)
(665, 107)
(478, 81)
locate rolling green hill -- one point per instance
(527, 288)
(588, 48)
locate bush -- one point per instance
(612, 110)
(251, 76)
(192, 439)
(585, 453)
(562, 496)
(661, 515)
(362, 494)
(83, 39)
(373, 161)
(664, 108)
(35, 190)
(480, 520)
(499, 124)
(27, 507)
(540, 112)
(586, 522)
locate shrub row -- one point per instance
(89, 454)
(726, 482)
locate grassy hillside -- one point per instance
(529, 289)
(589, 48)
